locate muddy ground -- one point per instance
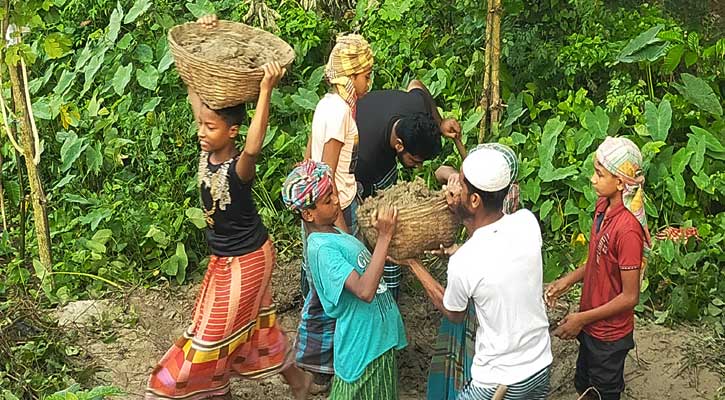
(124, 337)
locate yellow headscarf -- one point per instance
(351, 55)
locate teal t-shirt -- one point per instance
(364, 331)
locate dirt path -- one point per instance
(131, 333)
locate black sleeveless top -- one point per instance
(236, 229)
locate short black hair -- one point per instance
(233, 115)
(492, 201)
(420, 134)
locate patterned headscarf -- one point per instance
(507, 175)
(622, 158)
(351, 55)
(305, 184)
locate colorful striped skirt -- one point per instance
(453, 352)
(234, 332)
(378, 382)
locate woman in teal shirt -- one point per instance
(348, 280)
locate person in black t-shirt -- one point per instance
(233, 330)
(396, 125)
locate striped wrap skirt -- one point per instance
(234, 332)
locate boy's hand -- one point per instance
(554, 290)
(386, 219)
(444, 251)
(569, 327)
(450, 128)
(273, 72)
(208, 21)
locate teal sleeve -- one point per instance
(329, 270)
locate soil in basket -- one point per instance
(238, 49)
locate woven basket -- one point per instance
(423, 226)
(226, 82)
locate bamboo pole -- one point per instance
(496, 67)
(486, 72)
(2, 196)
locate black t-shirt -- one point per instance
(238, 229)
(377, 112)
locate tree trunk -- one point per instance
(40, 215)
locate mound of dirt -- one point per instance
(237, 49)
(424, 220)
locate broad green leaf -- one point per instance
(676, 184)
(672, 58)
(144, 53)
(711, 142)
(698, 156)
(166, 61)
(91, 69)
(702, 182)
(680, 160)
(8, 395)
(552, 129)
(556, 221)
(570, 207)
(94, 246)
(40, 270)
(12, 188)
(718, 302)
(95, 217)
(125, 41)
(545, 209)
(114, 25)
(66, 179)
(471, 122)
(667, 247)
(713, 311)
(558, 173)
(200, 8)
(41, 109)
(659, 119)
(514, 109)
(69, 152)
(64, 82)
(158, 235)
(642, 40)
(101, 236)
(139, 7)
(94, 158)
(597, 122)
(690, 58)
(183, 262)
(171, 265)
(518, 138)
(150, 105)
(56, 45)
(700, 94)
(121, 78)
(147, 77)
(306, 98)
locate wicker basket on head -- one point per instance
(223, 64)
(422, 225)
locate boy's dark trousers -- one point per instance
(601, 364)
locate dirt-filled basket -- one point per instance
(424, 220)
(223, 64)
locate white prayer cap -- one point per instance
(490, 167)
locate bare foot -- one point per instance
(301, 392)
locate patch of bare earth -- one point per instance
(132, 332)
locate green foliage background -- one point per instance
(119, 144)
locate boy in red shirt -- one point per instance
(604, 324)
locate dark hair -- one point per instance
(233, 115)
(420, 134)
(492, 201)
